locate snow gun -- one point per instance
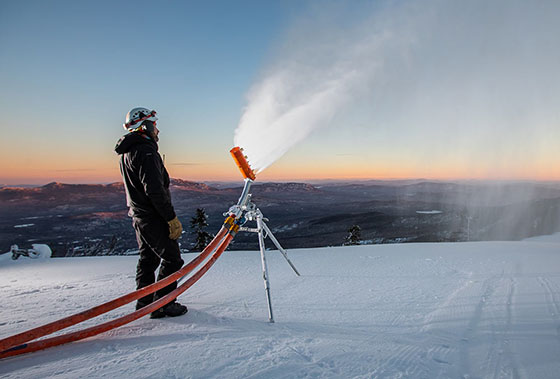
(245, 210)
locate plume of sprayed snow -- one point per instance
(313, 76)
(274, 122)
(466, 78)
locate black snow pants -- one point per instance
(155, 247)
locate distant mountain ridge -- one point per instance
(58, 190)
(91, 219)
(286, 187)
(189, 186)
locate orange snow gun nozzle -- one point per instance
(241, 161)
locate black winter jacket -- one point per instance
(146, 180)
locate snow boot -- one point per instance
(172, 309)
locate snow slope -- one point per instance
(465, 310)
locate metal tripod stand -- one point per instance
(250, 211)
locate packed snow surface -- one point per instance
(463, 310)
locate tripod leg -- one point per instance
(275, 241)
(260, 224)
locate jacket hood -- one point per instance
(126, 142)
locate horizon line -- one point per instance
(230, 181)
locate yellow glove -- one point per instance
(175, 228)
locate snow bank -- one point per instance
(481, 309)
(549, 238)
(43, 250)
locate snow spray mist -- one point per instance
(467, 86)
(470, 82)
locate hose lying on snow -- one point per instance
(13, 345)
(94, 330)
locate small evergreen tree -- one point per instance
(199, 223)
(354, 236)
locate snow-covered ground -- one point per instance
(465, 310)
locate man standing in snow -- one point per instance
(146, 183)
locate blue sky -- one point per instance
(182, 54)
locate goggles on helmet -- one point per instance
(151, 116)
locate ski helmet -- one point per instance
(136, 117)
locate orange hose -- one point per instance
(63, 323)
(94, 330)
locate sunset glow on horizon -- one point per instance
(284, 170)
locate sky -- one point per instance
(312, 89)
